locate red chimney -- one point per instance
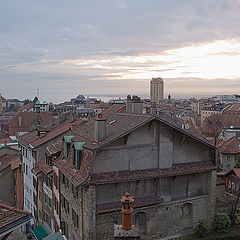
(127, 210)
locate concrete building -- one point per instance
(170, 173)
(156, 90)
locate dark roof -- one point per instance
(56, 130)
(9, 160)
(138, 202)
(177, 169)
(42, 166)
(118, 125)
(54, 148)
(231, 146)
(11, 217)
(235, 171)
(214, 124)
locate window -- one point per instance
(26, 170)
(45, 198)
(49, 202)
(75, 218)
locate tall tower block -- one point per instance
(156, 90)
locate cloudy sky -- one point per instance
(114, 47)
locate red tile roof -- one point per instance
(5, 140)
(10, 215)
(27, 121)
(231, 146)
(15, 162)
(54, 148)
(76, 176)
(41, 166)
(177, 169)
(35, 140)
(213, 125)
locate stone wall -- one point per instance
(168, 219)
(178, 214)
(7, 186)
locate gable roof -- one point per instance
(235, 171)
(231, 146)
(11, 217)
(9, 160)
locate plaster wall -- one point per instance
(154, 145)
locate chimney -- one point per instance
(134, 105)
(127, 211)
(129, 104)
(137, 105)
(100, 128)
(126, 230)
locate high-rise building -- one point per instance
(156, 90)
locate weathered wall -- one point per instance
(154, 145)
(167, 188)
(113, 192)
(187, 199)
(85, 207)
(173, 218)
(7, 188)
(187, 149)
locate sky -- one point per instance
(112, 48)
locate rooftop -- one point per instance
(11, 217)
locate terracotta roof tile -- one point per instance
(5, 140)
(54, 148)
(9, 215)
(177, 169)
(214, 124)
(231, 146)
(41, 166)
(5, 161)
(76, 176)
(15, 162)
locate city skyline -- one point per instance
(115, 49)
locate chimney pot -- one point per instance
(127, 211)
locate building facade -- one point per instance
(156, 90)
(171, 173)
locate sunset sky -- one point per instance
(112, 48)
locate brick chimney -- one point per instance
(127, 211)
(126, 230)
(100, 128)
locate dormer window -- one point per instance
(77, 153)
(67, 143)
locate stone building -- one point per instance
(47, 200)
(33, 149)
(170, 172)
(229, 153)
